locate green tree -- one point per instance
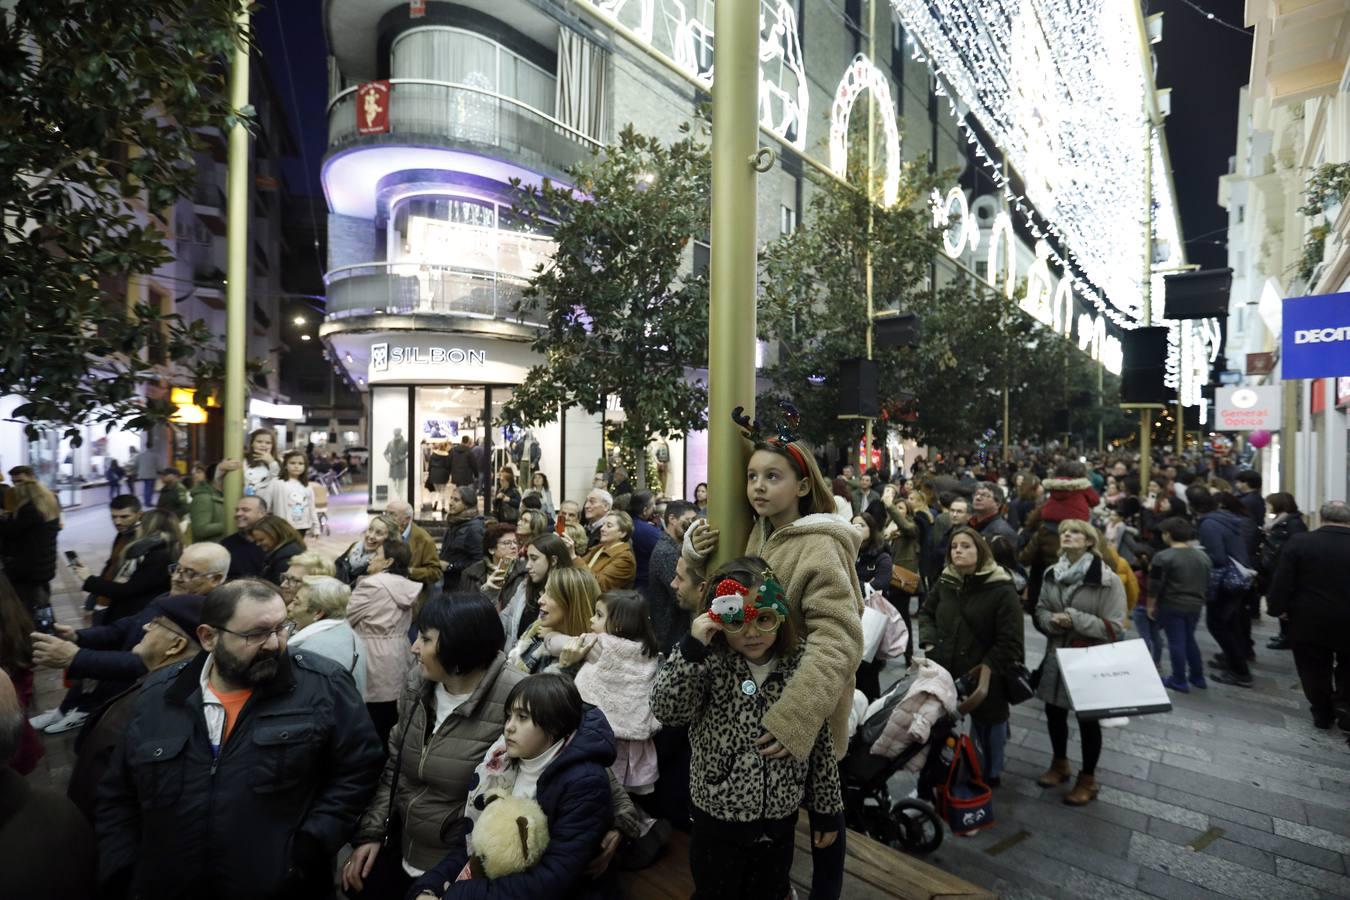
(623, 316)
(99, 102)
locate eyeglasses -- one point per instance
(765, 620)
(184, 572)
(282, 631)
(292, 580)
(169, 628)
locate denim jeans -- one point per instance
(1150, 631)
(1180, 628)
(990, 741)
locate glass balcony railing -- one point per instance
(410, 287)
(456, 114)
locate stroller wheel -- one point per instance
(919, 826)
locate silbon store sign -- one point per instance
(1247, 408)
(1315, 337)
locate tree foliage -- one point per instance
(947, 390)
(100, 102)
(623, 317)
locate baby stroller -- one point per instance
(911, 824)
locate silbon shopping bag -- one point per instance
(1117, 679)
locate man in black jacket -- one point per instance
(243, 771)
(104, 654)
(246, 557)
(1310, 591)
(463, 543)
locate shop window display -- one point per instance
(389, 424)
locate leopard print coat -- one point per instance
(702, 687)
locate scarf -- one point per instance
(460, 518)
(1067, 573)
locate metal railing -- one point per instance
(461, 113)
(409, 287)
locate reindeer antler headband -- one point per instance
(784, 439)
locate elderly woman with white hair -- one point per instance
(319, 612)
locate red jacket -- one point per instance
(1070, 498)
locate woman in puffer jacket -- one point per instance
(380, 612)
(1082, 603)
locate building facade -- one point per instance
(1293, 126)
(434, 108)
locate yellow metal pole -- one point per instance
(867, 255)
(1146, 414)
(1289, 413)
(236, 266)
(731, 310)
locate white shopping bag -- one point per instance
(873, 627)
(1117, 679)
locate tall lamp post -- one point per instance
(236, 265)
(731, 310)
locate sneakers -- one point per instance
(1198, 681)
(42, 720)
(69, 722)
(1227, 677)
(1174, 684)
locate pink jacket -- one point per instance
(617, 678)
(931, 695)
(380, 612)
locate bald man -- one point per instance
(46, 846)
(104, 653)
(426, 565)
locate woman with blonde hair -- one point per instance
(1082, 603)
(565, 610)
(304, 565)
(28, 539)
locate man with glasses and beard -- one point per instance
(243, 770)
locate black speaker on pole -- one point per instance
(902, 330)
(1141, 374)
(1197, 295)
(858, 388)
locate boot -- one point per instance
(1058, 773)
(1084, 792)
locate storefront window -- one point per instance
(391, 446)
(466, 233)
(445, 416)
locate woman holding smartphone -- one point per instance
(501, 548)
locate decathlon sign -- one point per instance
(1315, 337)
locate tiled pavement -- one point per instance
(1232, 794)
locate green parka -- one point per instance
(975, 619)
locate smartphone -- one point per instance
(560, 526)
(72, 557)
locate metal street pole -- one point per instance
(236, 266)
(1146, 413)
(867, 254)
(731, 310)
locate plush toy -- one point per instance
(510, 836)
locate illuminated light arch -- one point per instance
(861, 76)
(1003, 227)
(782, 111)
(1062, 307)
(1037, 299)
(968, 232)
(646, 15)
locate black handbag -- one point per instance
(1019, 685)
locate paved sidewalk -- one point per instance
(1232, 794)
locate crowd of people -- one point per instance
(251, 710)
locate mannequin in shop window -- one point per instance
(396, 455)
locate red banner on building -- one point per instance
(372, 108)
(417, 9)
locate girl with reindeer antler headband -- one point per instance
(812, 552)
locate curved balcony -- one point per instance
(444, 114)
(407, 288)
